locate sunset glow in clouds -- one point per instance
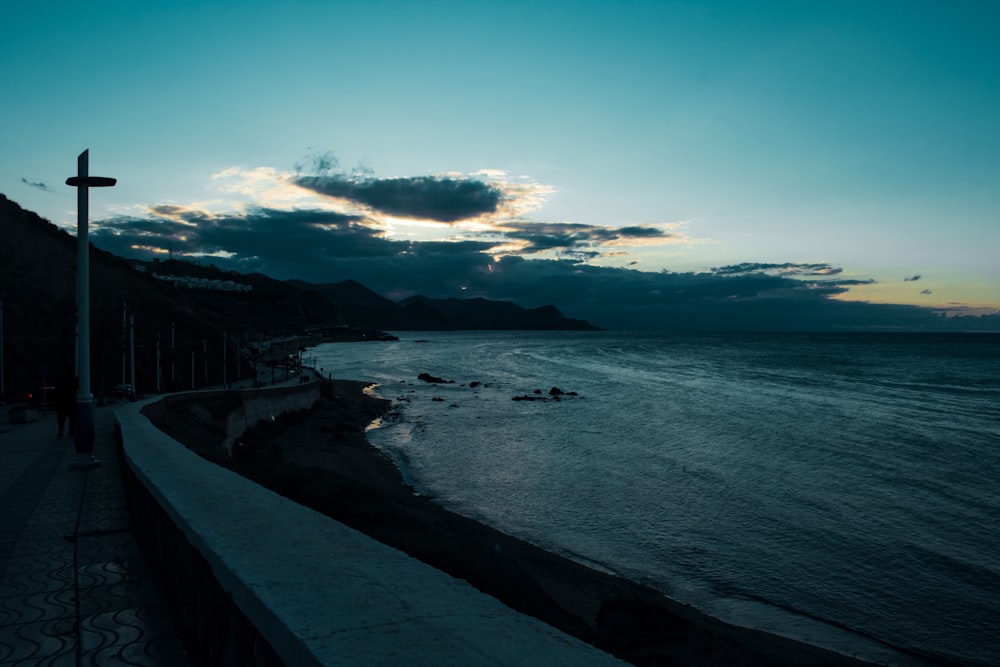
(649, 147)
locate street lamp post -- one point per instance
(124, 328)
(131, 353)
(84, 426)
(173, 341)
(1, 354)
(158, 369)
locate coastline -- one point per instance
(322, 459)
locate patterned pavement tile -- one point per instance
(42, 518)
(65, 533)
(38, 607)
(96, 640)
(120, 627)
(96, 519)
(55, 548)
(17, 568)
(58, 660)
(124, 594)
(13, 585)
(103, 546)
(57, 577)
(163, 652)
(112, 572)
(64, 500)
(133, 637)
(97, 575)
(33, 641)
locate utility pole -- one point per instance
(158, 369)
(256, 368)
(131, 351)
(1, 354)
(124, 322)
(84, 427)
(173, 359)
(204, 355)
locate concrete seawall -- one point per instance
(259, 579)
(252, 407)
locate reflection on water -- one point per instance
(769, 479)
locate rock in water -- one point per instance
(427, 377)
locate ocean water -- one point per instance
(840, 489)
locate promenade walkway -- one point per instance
(259, 578)
(74, 588)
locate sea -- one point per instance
(839, 489)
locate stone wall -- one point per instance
(216, 419)
(258, 579)
(214, 628)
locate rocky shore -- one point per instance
(322, 459)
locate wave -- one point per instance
(819, 477)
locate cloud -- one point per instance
(926, 291)
(913, 278)
(850, 282)
(498, 255)
(421, 197)
(579, 240)
(262, 186)
(200, 229)
(786, 269)
(258, 239)
(327, 246)
(36, 184)
(485, 196)
(487, 204)
(638, 232)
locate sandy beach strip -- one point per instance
(321, 458)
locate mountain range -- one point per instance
(183, 311)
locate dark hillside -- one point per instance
(362, 307)
(268, 304)
(483, 314)
(38, 290)
(199, 305)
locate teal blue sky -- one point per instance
(860, 135)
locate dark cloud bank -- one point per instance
(420, 197)
(326, 247)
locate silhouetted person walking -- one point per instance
(65, 398)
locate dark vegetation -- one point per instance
(38, 291)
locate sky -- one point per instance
(634, 163)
